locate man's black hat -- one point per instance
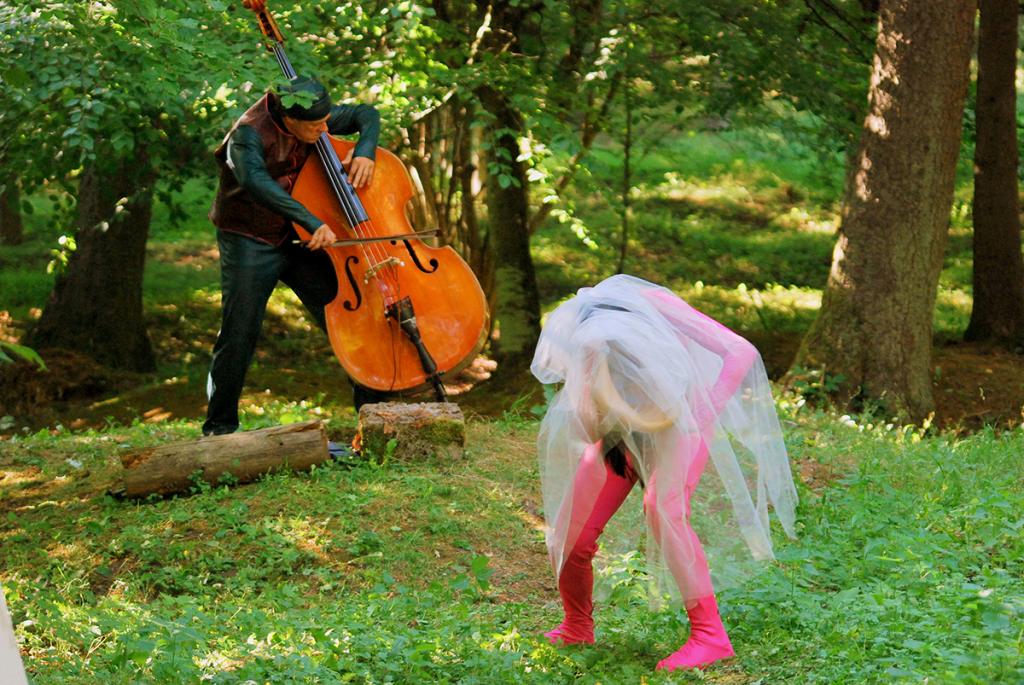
(304, 98)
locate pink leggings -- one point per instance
(671, 530)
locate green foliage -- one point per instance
(96, 83)
(815, 385)
(291, 97)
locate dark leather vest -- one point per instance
(234, 209)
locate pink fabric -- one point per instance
(660, 354)
(671, 528)
(589, 480)
(576, 581)
(670, 378)
(738, 355)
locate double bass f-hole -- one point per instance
(416, 258)
(349, 261)
(372, 272)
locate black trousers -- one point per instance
(249, 271)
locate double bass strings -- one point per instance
(337, 178)
(282, 61)
(390, 267)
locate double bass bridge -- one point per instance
(379, 266)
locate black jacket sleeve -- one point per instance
(246, 160)
(362, 119)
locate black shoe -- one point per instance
(219, 430)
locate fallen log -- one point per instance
(235, 457)
(419, 431)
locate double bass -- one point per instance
(406, 313)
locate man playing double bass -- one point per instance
(259, 160)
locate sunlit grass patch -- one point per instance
(801, 218)
(775, 308)
(952, 312)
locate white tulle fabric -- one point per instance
(642, 368)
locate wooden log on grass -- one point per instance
(236, 457)
(412, 431)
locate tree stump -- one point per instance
(420, 430)
(238, 457)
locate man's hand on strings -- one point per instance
(360, 169)
(323, 237)
(255, 5)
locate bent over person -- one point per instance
(652, 390)
(260, 159)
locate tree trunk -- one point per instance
(517, 301)
(998, 312)
(875, 324)
(10, 215)
(96, 305)
(236, 457)
(627, 180)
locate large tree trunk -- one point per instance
(10, 215)
(516, 299)
(998, 312)
(96, 306)
(875, 324)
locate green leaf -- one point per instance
(16, 76)
(26, 353)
